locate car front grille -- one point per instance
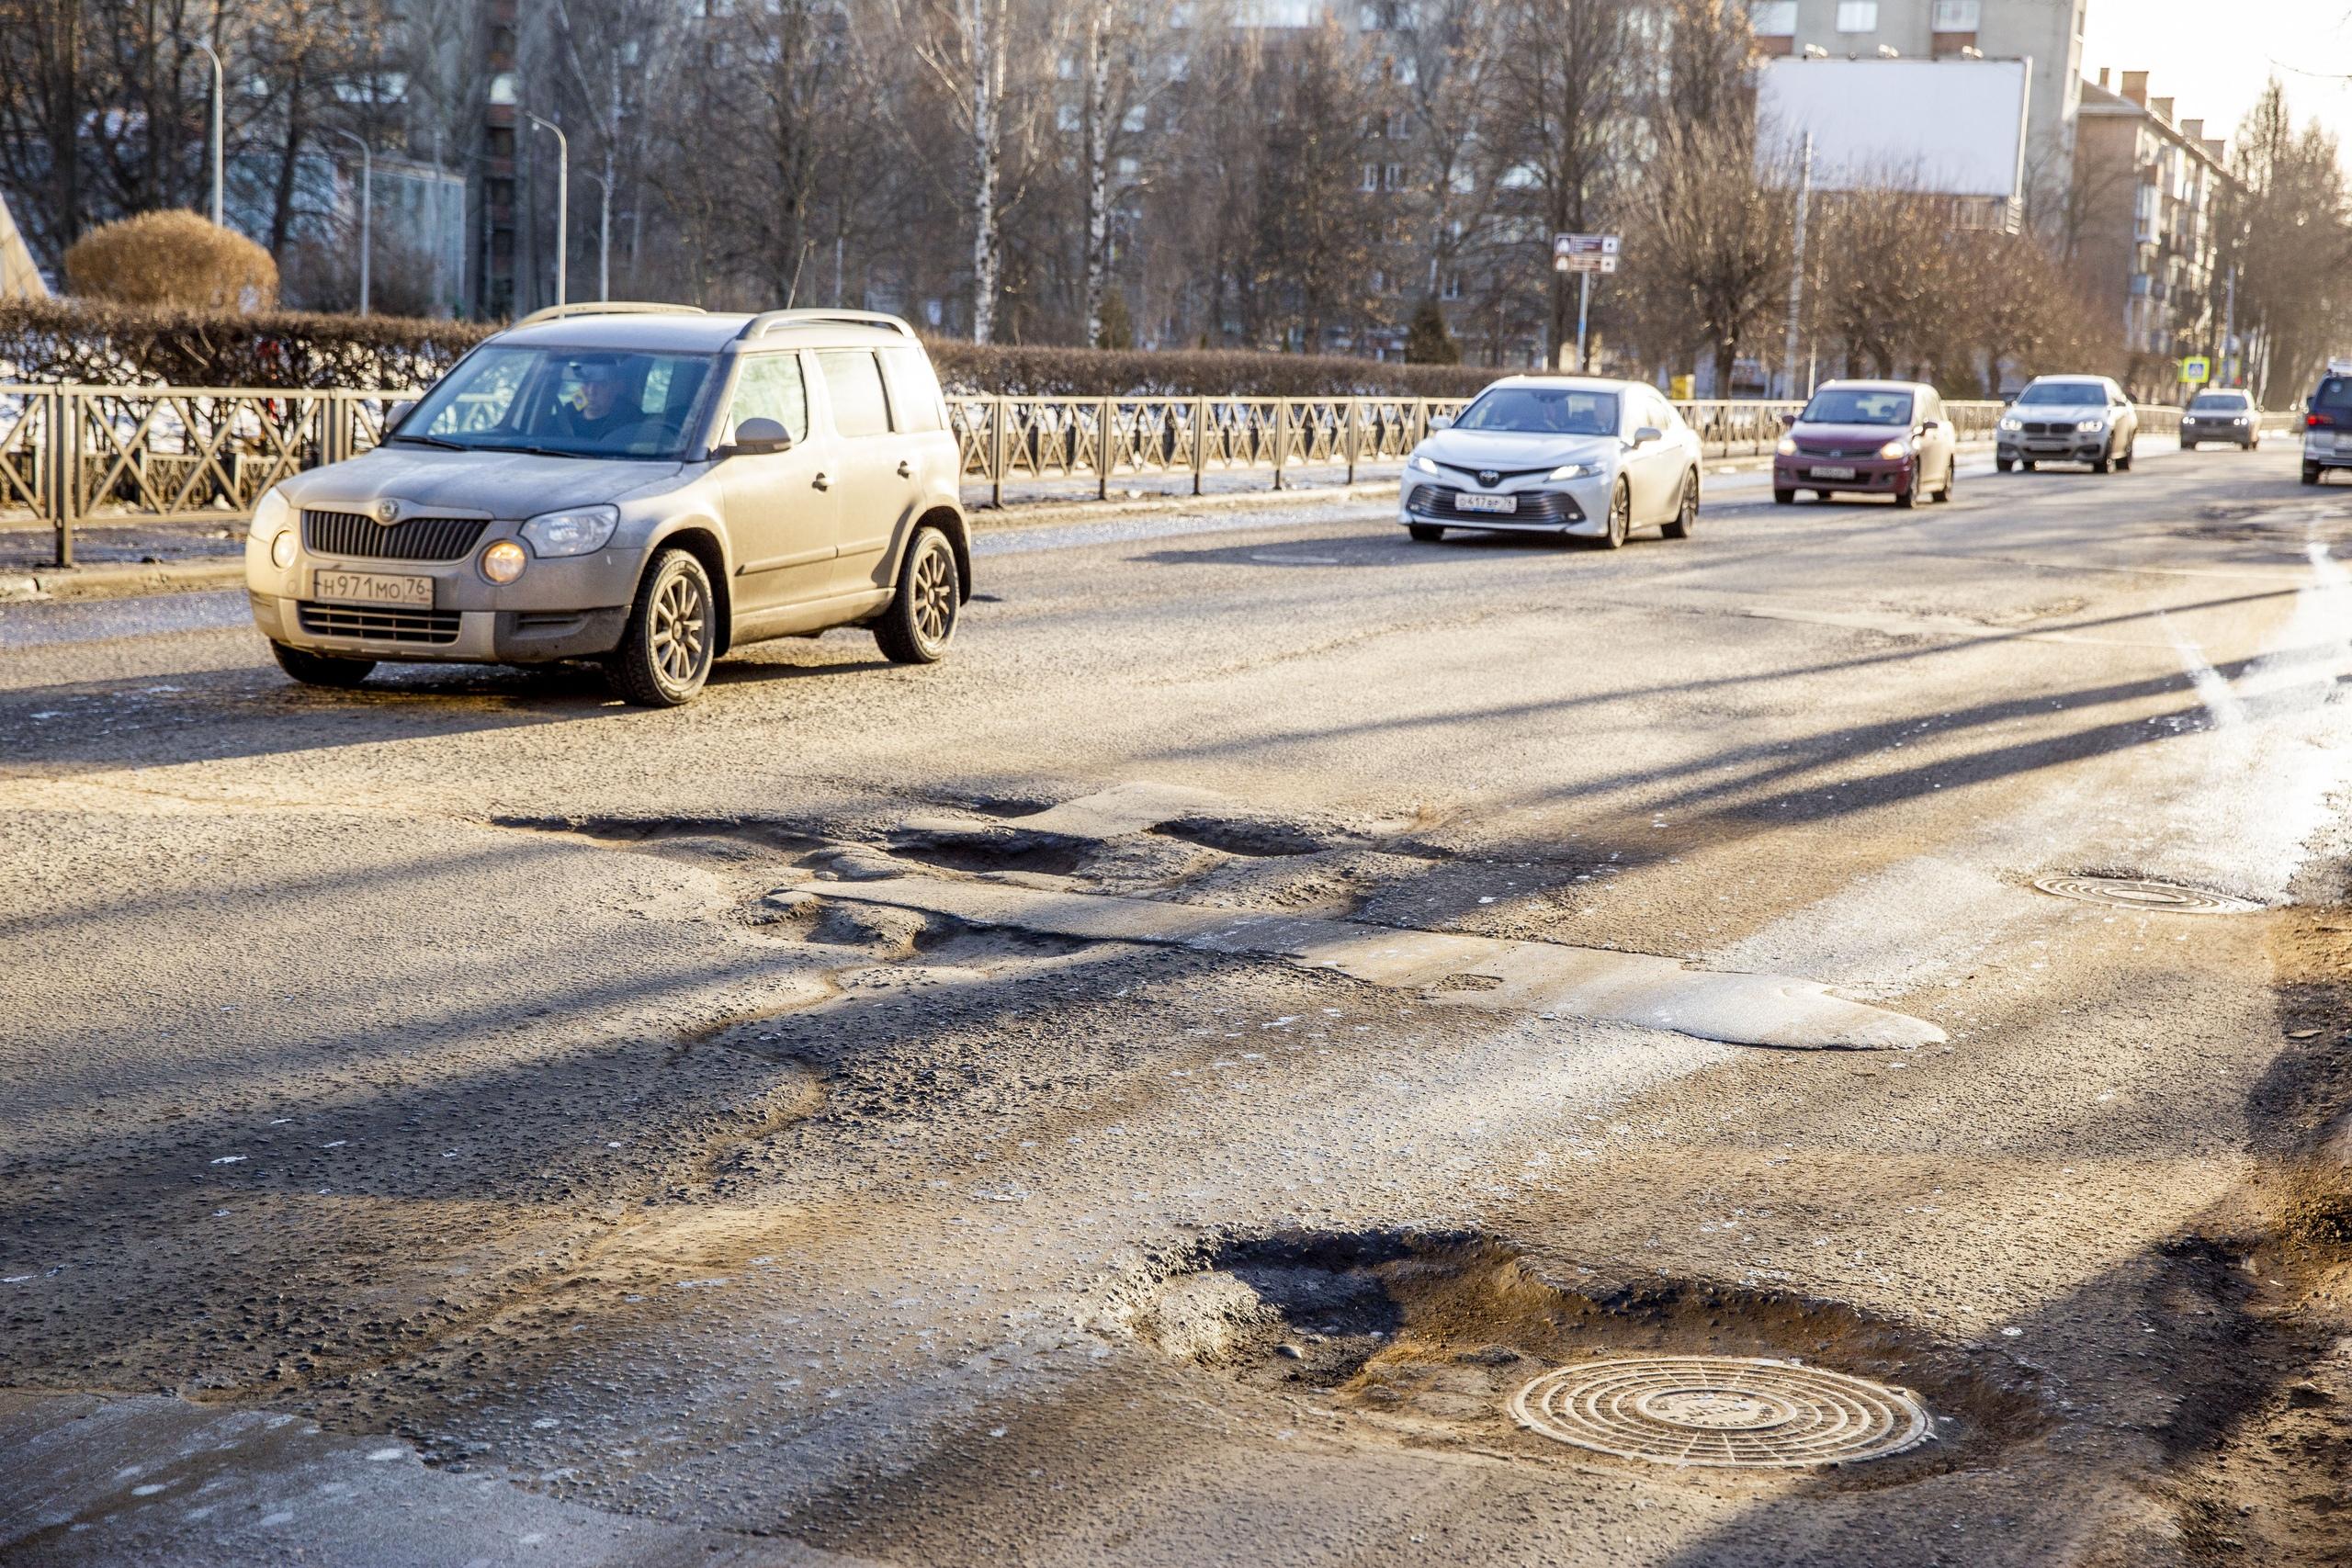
(427, 628)
(1837, 449)
(2039, 427)
(1542, 508)
(418, 538)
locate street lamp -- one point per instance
(212, 56)
(603, 238)
(367, 211)
(562, 205)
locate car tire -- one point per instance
(1951, 482)
(1908, 497)
(921, 620)
(2105, 461)
(1620, 518)
(1686, 516)
(2005, 464)
(672, 636)
(2311, 473)
(2190, 446)
(1784, 498)
(2131, 449)
(321, 669)
(2027, 465)
(1426, 533)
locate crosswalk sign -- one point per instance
(2195, 371)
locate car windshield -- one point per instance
(2066, 394)
(2219, 401)
(1856, 405)
(1543, 410)
(564, 402)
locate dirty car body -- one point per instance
(775, 474)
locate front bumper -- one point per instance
(2069, 446)
(2223, 430)
(573, 607)
(1875, 476)
(1571, 506)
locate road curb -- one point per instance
(60, 583)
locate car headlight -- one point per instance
(2090, 424)
(1573, 471)
(1787, 447)
(503, 561)
(1423, 466)
(2012, 425)
(2241, 419)
(281, 550)
(271, 513)
(583, 531)
(1894, 449)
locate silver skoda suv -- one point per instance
(646, 485)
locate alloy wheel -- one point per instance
(680, 632)
(934, 595)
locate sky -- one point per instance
(2213, 56)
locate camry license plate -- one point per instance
(372, 588)
(1833, 473)
(1467, 502)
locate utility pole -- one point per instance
(212, 55)
(562, 202)
(2229, 333)
(1584, 312)
(603, 238)
(367, 211)
(1796, 272)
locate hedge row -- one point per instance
(48, 340)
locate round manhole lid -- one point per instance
(1721, 1411)
(2143, 893)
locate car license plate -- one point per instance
(2344, 443)
(1468, 503)
(1833, 473)
(372, 588)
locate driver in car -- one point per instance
(595, 415)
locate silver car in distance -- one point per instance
(1564, 455)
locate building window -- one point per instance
(1773, 18)
(501, 87)
(1857, 15)
(1134, 119)
(1393, 177)
(1957, 15)
(1370, 177)
(1453, 289)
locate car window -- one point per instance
(2220, 400)
(2335, 392)
(2064, 394)
(914, 389)
(771, 387)
(571, 402)
(1857, 405)
(854, 382)
(1542, 411)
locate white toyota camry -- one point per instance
(1568, 455)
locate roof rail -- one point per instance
(768, 321)
(608, 308)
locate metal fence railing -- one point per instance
(75, 455)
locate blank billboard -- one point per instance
(1948, 127)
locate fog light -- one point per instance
(281, 550)
(503, 561)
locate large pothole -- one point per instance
(1455, 1339)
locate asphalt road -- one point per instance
(466, 1120)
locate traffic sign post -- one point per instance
(1584, 254)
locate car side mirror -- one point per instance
(1787, 418)
(396, 412)
(1440, 421)
(755, 436)
(1648, 434)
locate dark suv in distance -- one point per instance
(2327, 424)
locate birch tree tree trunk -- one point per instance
(984, 23)
(1098, 166)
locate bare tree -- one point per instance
(1569, 75)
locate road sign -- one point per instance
(2196, 370)
(1584, 253)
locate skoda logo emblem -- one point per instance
(388, 512)
(1487, 477)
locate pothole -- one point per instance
(2145, 893)
(1732, 1412)
(1464, 1341)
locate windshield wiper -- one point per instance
(432, 441)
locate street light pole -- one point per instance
(604, 237)
(562, 203)
(211, 54)
(366, 212)
(1796, 277)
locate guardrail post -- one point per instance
(1355, 420)
(1282, 437)
(997, 450)
(64, 440)
(1102, 449)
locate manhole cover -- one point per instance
(2138, 892)
(1721, 1410)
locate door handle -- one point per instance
(823, 481)
(906, 469)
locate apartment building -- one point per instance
(2149, 189)
(2047, 33)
